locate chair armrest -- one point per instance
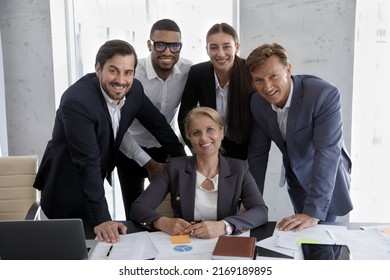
(33, 211)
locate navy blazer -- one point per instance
(200, 91)
(315, 159)
(82, 150)
(235, 186)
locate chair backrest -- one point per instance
(17, 175)
(165, 207)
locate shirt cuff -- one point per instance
(132, 150)
(141, 157)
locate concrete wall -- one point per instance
(28, 75)
(3, 115)
(319, 38)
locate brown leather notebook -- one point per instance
(235, 248)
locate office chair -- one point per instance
(165, 207)
(18, 198)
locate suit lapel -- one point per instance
(103, 104)
(293, 112)
(187, 185)
(208, 86)
(226, 189)
(274, 127)
(133, 102)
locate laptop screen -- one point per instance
(55, 239)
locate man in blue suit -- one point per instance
(301, 114)
(93, 116)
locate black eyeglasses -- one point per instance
(162, 46)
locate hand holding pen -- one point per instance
(206, 229)
(172, 226)
(190, 229)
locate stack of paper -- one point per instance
(156, 245)
(366, 244)
(134, 246)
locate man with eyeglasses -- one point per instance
(163, 75)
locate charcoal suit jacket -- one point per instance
(82, 150)
(236, 186)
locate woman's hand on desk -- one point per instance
(172, 226)
(207, 229)
(109, 231)
(202, 229)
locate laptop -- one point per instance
(54, 239)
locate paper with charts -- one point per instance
(155, 245)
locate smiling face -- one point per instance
(205, 135)
(117, 75)
(272, 80)
(164, 61)
(221, 49)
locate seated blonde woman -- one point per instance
(206, 189)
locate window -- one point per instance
(131, 20)
(88, 24)
(370, 135)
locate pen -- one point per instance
(109, 251)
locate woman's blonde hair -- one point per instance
(202, 111)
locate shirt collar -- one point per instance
(217, 85)
(288, 103)
(110, 101)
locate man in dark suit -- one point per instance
(91, 120)
(301, 114)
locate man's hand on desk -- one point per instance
(296, 222)
(109, 231)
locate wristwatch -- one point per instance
(228, 228)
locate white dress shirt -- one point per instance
(282, 113)
(165, 95)
(114, 108)
(221, 94)
(205, 201)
